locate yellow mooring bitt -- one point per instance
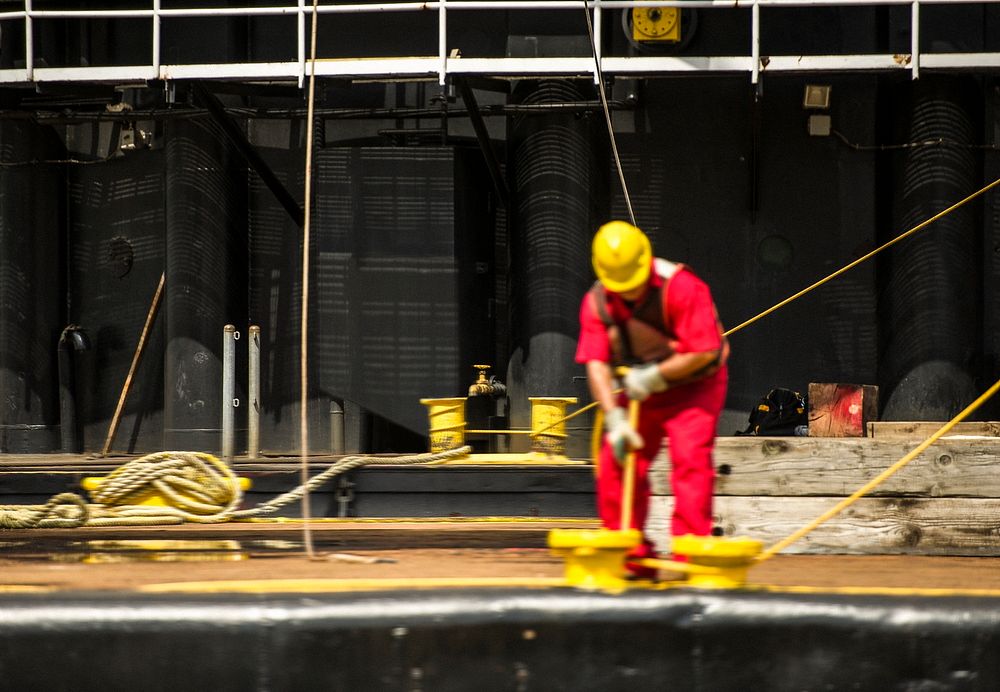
(595, 559)
(548, 431)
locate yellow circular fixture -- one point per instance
(655, 23)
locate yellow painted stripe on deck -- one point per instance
(338, 585)
(25, 588)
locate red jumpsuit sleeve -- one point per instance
(593, 343)
(692, 314)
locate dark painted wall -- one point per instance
(759, 233)
(116, 221)
(405, 275)
(31, 286)
(401, 285)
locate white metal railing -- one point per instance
(442, 64)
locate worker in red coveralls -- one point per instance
(658, 318)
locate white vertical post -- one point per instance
(228, 390)
(755, 43)
(442, 42)
(598, 53)
(253, 392)
(29, 42)
(915, 40)
(301, 30)
(156, 37)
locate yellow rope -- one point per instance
(875, 482)
(858, 261)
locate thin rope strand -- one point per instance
(304, 340)
(607, 113)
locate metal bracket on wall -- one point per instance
(483, 136)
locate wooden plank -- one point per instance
(921, 430)
(809, 466)
(870, 526)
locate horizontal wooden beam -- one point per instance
(812, 466)
(919, 430)
(912, 526)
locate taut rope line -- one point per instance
(304, 337)
(607, 113)
(871, 254)
(819, 283)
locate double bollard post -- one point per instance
(230, 402)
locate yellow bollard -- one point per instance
(595, 559)
(547, 414)
(717, 562)
(447, 422)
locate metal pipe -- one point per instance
(29, 42)
(915, 41)
(405, 6)
(598, 52)
(157, 25)
(72, 339)
(228, 391)
(442, 43)
(300, 29)
(336, 427)
(253, 389)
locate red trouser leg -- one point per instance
(691, 432)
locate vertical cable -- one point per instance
(607, 112)
(304, 342)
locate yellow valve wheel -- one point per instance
(726, 560)
(595, 559)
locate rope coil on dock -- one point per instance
(198, 488)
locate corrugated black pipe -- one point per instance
(558, 167)
(31, 286)
(206, 278)
(931, 297)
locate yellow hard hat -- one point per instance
(622, 256)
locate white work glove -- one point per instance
(621, 435)
(643, 380)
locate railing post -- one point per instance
(915, 40)
(598, 53)
(301, 29)
(156, 37)
(29, 43)
(755, 43)
(442, 42)
(228, 391)
(253, 391)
